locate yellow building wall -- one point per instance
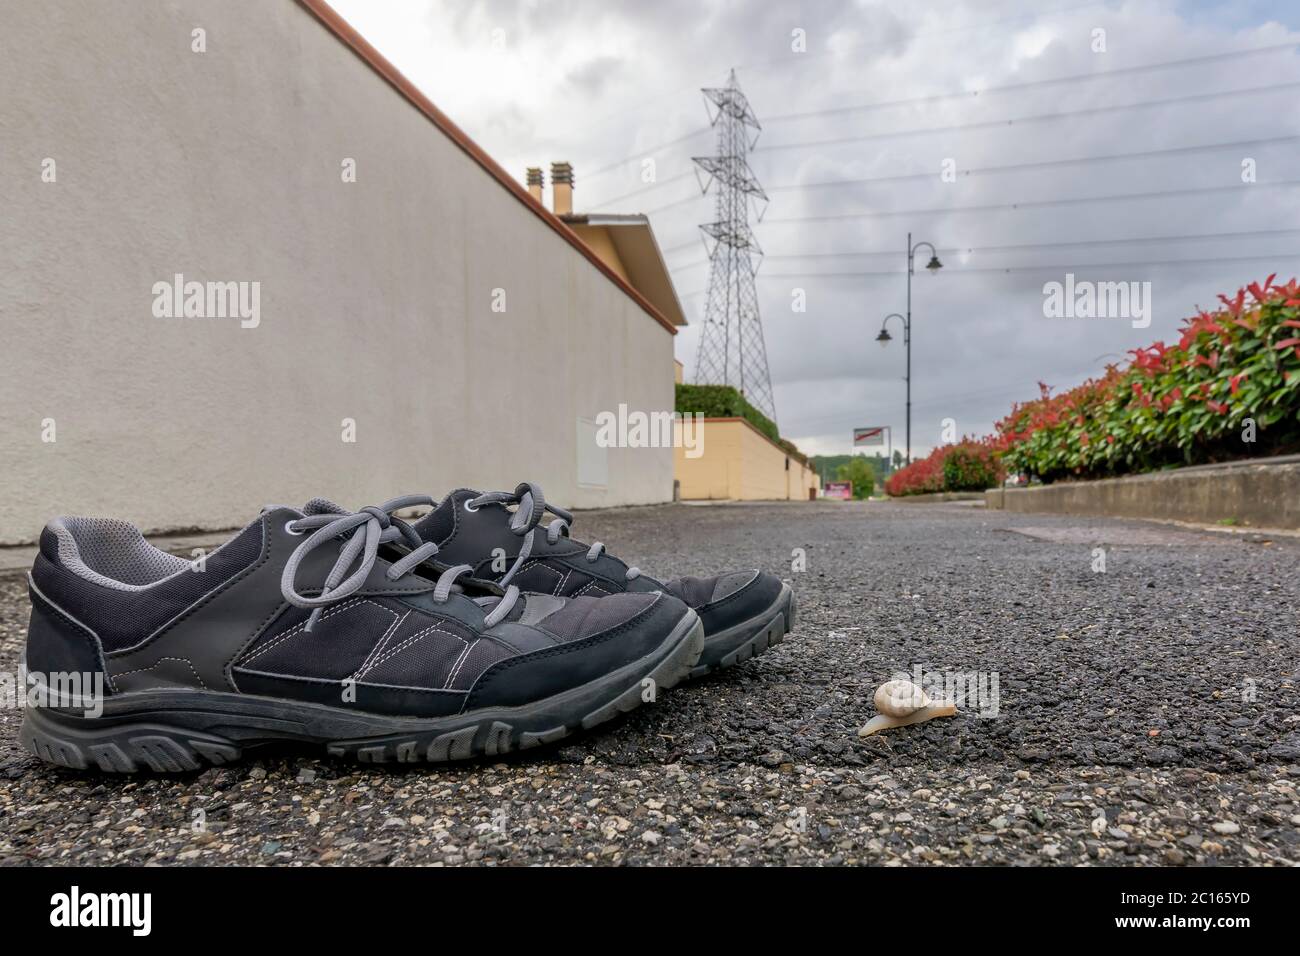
(804, 482)
(739, 463)
(710, 476)
(762, 468)
(602, 244)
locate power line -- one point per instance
(946, 401)
(658, 184)
(642, 154)
(1041, 268)
(1013, 167)
(986, 25)
(697, 241)
(1027, 120)
(978, 171)
(1142, 68)
(670, 205)
(985, 124)
(1006, 270)
(1036, 203)
(949, 400)
(1047, 163)
(970, 250)
(1037, 84)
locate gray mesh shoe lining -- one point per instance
(124, 614)
(112, 553)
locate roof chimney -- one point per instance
(562, 188)
(535, 182)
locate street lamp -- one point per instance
(884, 338)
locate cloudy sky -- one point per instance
(1122, 164)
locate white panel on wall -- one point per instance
(593, 460)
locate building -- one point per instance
(247, 261)
(737, 462)
(626, 244)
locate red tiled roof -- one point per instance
(375, 60)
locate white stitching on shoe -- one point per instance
(300, 628)
(340, 683)
(540, 563)
(407, 643)
(451, 678)
(183, 660)
(379, 645)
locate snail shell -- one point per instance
(900, 703)
(900, 698)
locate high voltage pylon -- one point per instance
(731, 346)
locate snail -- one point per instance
(900, 703)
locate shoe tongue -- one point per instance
(439, 523)
(489, 603)
(322, 506)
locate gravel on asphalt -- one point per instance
(1137, 705)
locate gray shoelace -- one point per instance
(366, 530)
(528, 516)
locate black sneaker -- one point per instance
(307, 627)
(500, 534)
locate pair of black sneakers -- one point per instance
(480, 629)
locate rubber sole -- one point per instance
(748, 639)
(182, 730)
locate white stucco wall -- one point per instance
(375, 296)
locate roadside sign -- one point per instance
(876, 435)
(838, 489)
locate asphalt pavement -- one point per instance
(1129, 697)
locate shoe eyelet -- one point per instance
(468, 508)
(288, 527)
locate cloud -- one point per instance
(594, 76)
(607, 85)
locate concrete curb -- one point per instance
(1260, 493)
(941, 496)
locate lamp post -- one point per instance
(884, 338)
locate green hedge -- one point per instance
(723, 401)
(970, 467)
(1229, 388)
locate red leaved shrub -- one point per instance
(1229, 388)
(969, 465)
